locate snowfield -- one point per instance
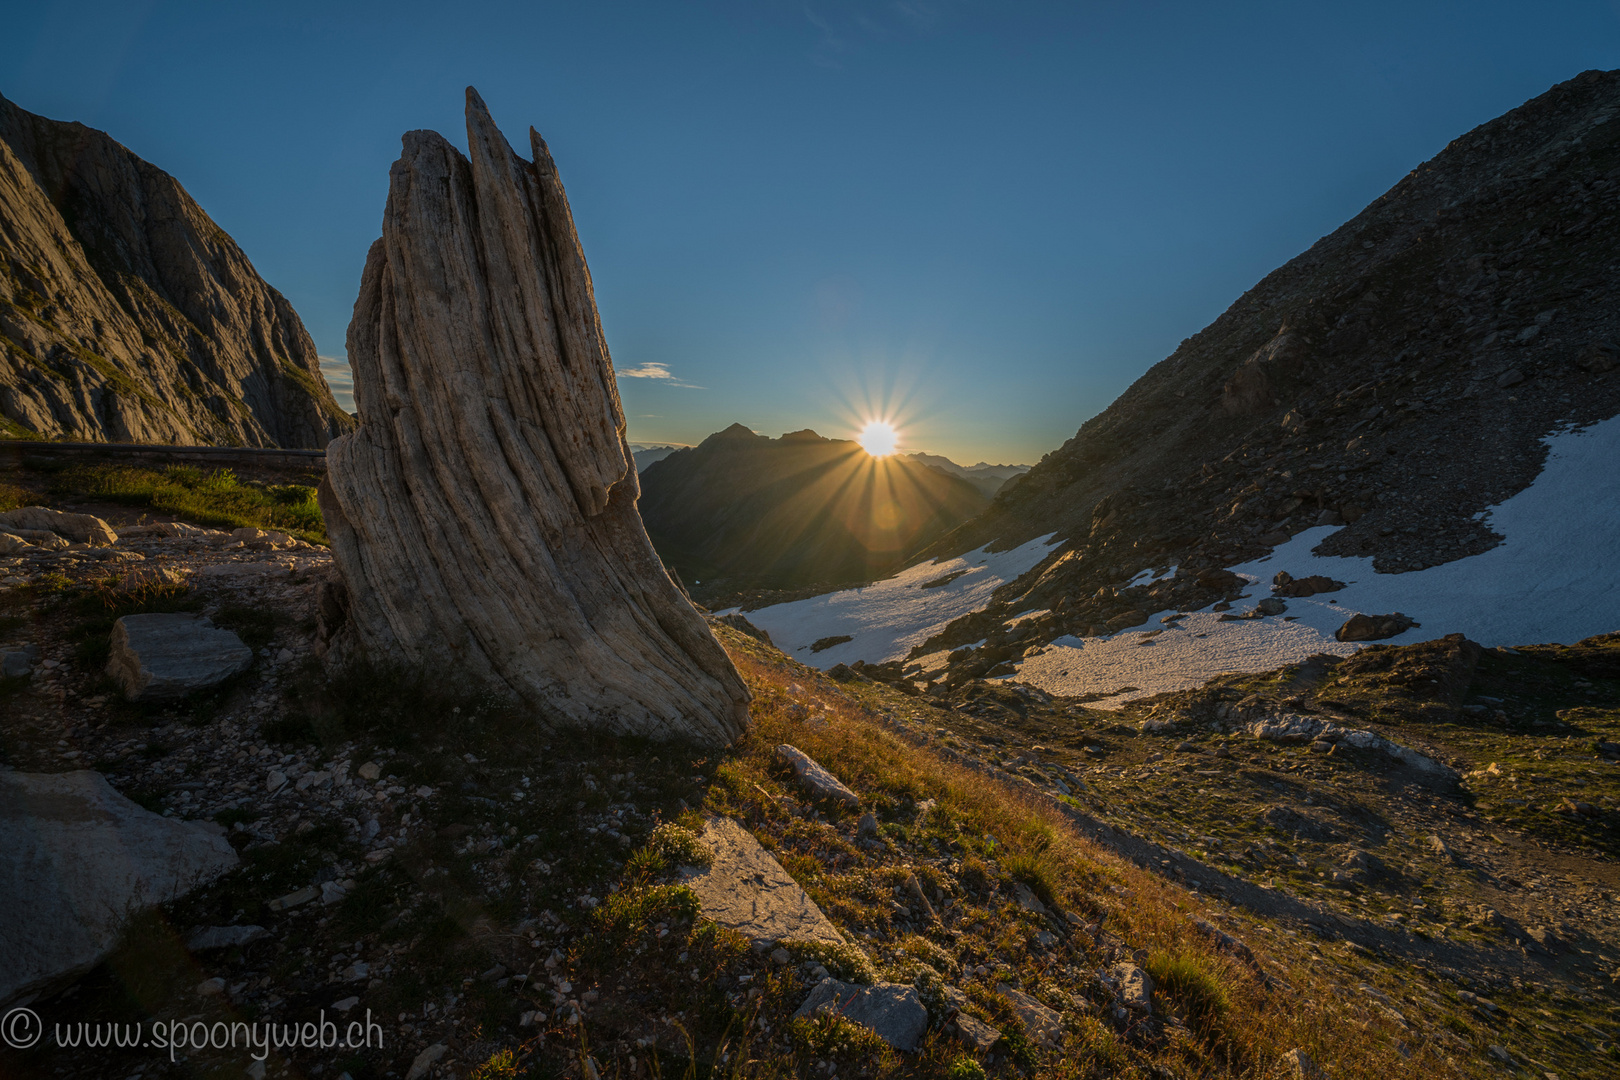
(889, 618)
(1554, 578)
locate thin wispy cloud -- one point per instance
(655, 370)
(843, 26)
(335, 370)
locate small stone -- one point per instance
(275, 780)
(1044, 1026)
(815, 780)
(1500, 1054)
(976, 1033)
(1297, 1065)
(294, 899)
(211, 987)
(1027, 899)
(425, 1061)
(224, 937)
(867, 827)
(781, 956)
(369, 771)
(894, 1011)
(1135, 988)
(345, 1004)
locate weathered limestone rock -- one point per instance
(1043, 1025)
(817, 782)
(483, 517)
(1135, 988)
(81, 528)
(745, 889)
(164, 657)
(79, 860)
(893, 1010)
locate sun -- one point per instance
(879, 438)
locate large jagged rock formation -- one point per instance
(126, 315)
(484, 514)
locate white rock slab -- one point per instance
(83, 528)
(79, 859)
(814, 778)
(164, 657)
(746, 889)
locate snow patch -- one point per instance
(889, 618)
(1554, 578)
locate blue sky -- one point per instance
(985, 219)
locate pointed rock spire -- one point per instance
(483, 517)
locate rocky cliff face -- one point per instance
(781, 513)
(1396, 377)
(127, 315)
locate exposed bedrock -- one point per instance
(483, 516)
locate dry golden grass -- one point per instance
(1244, 1037)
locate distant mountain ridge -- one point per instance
(127, 314)
(783, 513)
(989, 479)
(647, 453)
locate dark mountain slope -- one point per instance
(1398, 376)
(780, 513)
(126, 314)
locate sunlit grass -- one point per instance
(216, 498)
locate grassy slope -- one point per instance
(606, 934)
(216, 498)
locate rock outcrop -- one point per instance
(80, 859)
(745, 889)
(1397, 378)
(484, 515)
(127, 315)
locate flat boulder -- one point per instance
(745, 889)
(80, 859)
(167, 656)
(81, 528)
(893, 1010)
(17, 661)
